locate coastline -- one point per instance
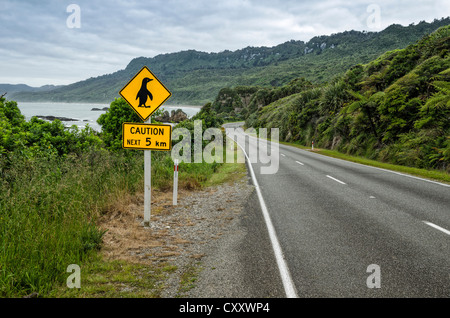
(81, 114)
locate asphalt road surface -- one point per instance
(350, 230)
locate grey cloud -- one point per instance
(38, 48)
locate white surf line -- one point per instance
(286, 278)
(437, 227)
(299, 163)
(336, 179)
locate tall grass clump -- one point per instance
(48, 211)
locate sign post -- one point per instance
(145, 94)
(147, 184)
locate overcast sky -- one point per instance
(54, 42)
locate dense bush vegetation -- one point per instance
(54, 184)
(38, 137)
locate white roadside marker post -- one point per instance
(147, 183)
(175, 181)
(312, 145)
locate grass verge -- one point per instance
(68, 197)
(101, 278)
(48, 212)
(188, 279)
(49, 209)
(228, 171)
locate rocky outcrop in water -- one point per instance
(52, 118)
(176, 116)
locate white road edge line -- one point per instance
(373, 167)
(437, 227)
(299, 163)
(336, 179)
(382, 169)
(286, 278)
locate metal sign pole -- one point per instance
(148, 183)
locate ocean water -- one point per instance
(82, 112)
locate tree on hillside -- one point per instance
(334, 97)
(368, 106)
(118, 113)
(436, 111)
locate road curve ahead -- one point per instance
(350, 230)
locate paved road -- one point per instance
(340, 224)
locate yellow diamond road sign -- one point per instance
(145, 93)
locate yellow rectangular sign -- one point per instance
(146, 136)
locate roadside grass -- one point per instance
(228, 172)
(104, 278)
(49, 208)
(48, 220)
(192, 176)
(435, 175)
(188, 279)
(101, 278)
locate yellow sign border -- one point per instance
(120, 93)
(146, 148)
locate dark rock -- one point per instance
(165, 117)
(176, 116)
(52, 118)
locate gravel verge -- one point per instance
(200, 236)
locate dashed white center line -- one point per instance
(336, 179)
(299, 163)
(283, 154)
(437, 227)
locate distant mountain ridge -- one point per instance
(14, 88)
(196, 77)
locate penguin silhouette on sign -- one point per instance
(144, 93)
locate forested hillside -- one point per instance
(196, 77)
(396, 108)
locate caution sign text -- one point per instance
(147, 136)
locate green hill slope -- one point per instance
(395, 108)
(196, 77)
